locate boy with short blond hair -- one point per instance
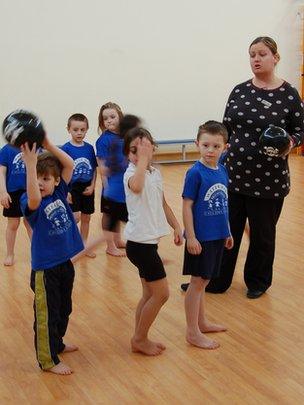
(207, 231)
(83, 181)
(55, 240)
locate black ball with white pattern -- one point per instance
(274, 141)
(22, 126)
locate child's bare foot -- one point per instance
(209, 327)
(161, 346)
(61, 369)
(115, 252)
(69, 348)
(9, 260)
(201, 341)
(92, 255)
(121, 244)
(146, 347)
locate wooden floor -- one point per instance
(260, 361)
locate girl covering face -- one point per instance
(148, 219)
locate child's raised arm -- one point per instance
(144, 150)
(29, 157)
(66, 161)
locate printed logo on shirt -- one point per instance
(217, 200)
(18, 166)
(56, 213)
(82, 166)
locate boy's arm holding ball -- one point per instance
(65, 160)
(29, 157)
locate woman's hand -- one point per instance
(291, 145)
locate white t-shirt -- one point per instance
(146, 217)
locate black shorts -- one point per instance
(116, 212)
(207, 263)
(14, 210)
(145, 257)
(80, 202)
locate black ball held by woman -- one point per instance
(274, 141)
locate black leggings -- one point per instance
(263, 215)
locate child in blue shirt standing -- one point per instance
(82, 185)
(12, 186)
(55, 240)
(112, 164)
(207, 232)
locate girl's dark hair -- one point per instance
(213, 128)
(78, 117)
(134, 133)
(128, 122)
(267, 41)
(48, 164)
(107, 105)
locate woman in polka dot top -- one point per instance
(258, 183)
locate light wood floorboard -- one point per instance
(261, 358)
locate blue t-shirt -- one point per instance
(11, 158)
(56, 237)
(84, 161)
(109, 148)
(208, 189)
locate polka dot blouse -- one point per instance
(249, 111)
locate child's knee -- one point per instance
(198, 283)
(163, 295)
(166, 296)
(77, 217)
(85, 218)
(13, 224)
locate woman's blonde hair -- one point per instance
(269, 42)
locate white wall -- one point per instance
(171, 62)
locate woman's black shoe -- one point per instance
(254, 293)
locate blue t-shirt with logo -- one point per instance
(11, 158)
(84, 161)
(56, 237)
(109, 148)
(207, 187)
